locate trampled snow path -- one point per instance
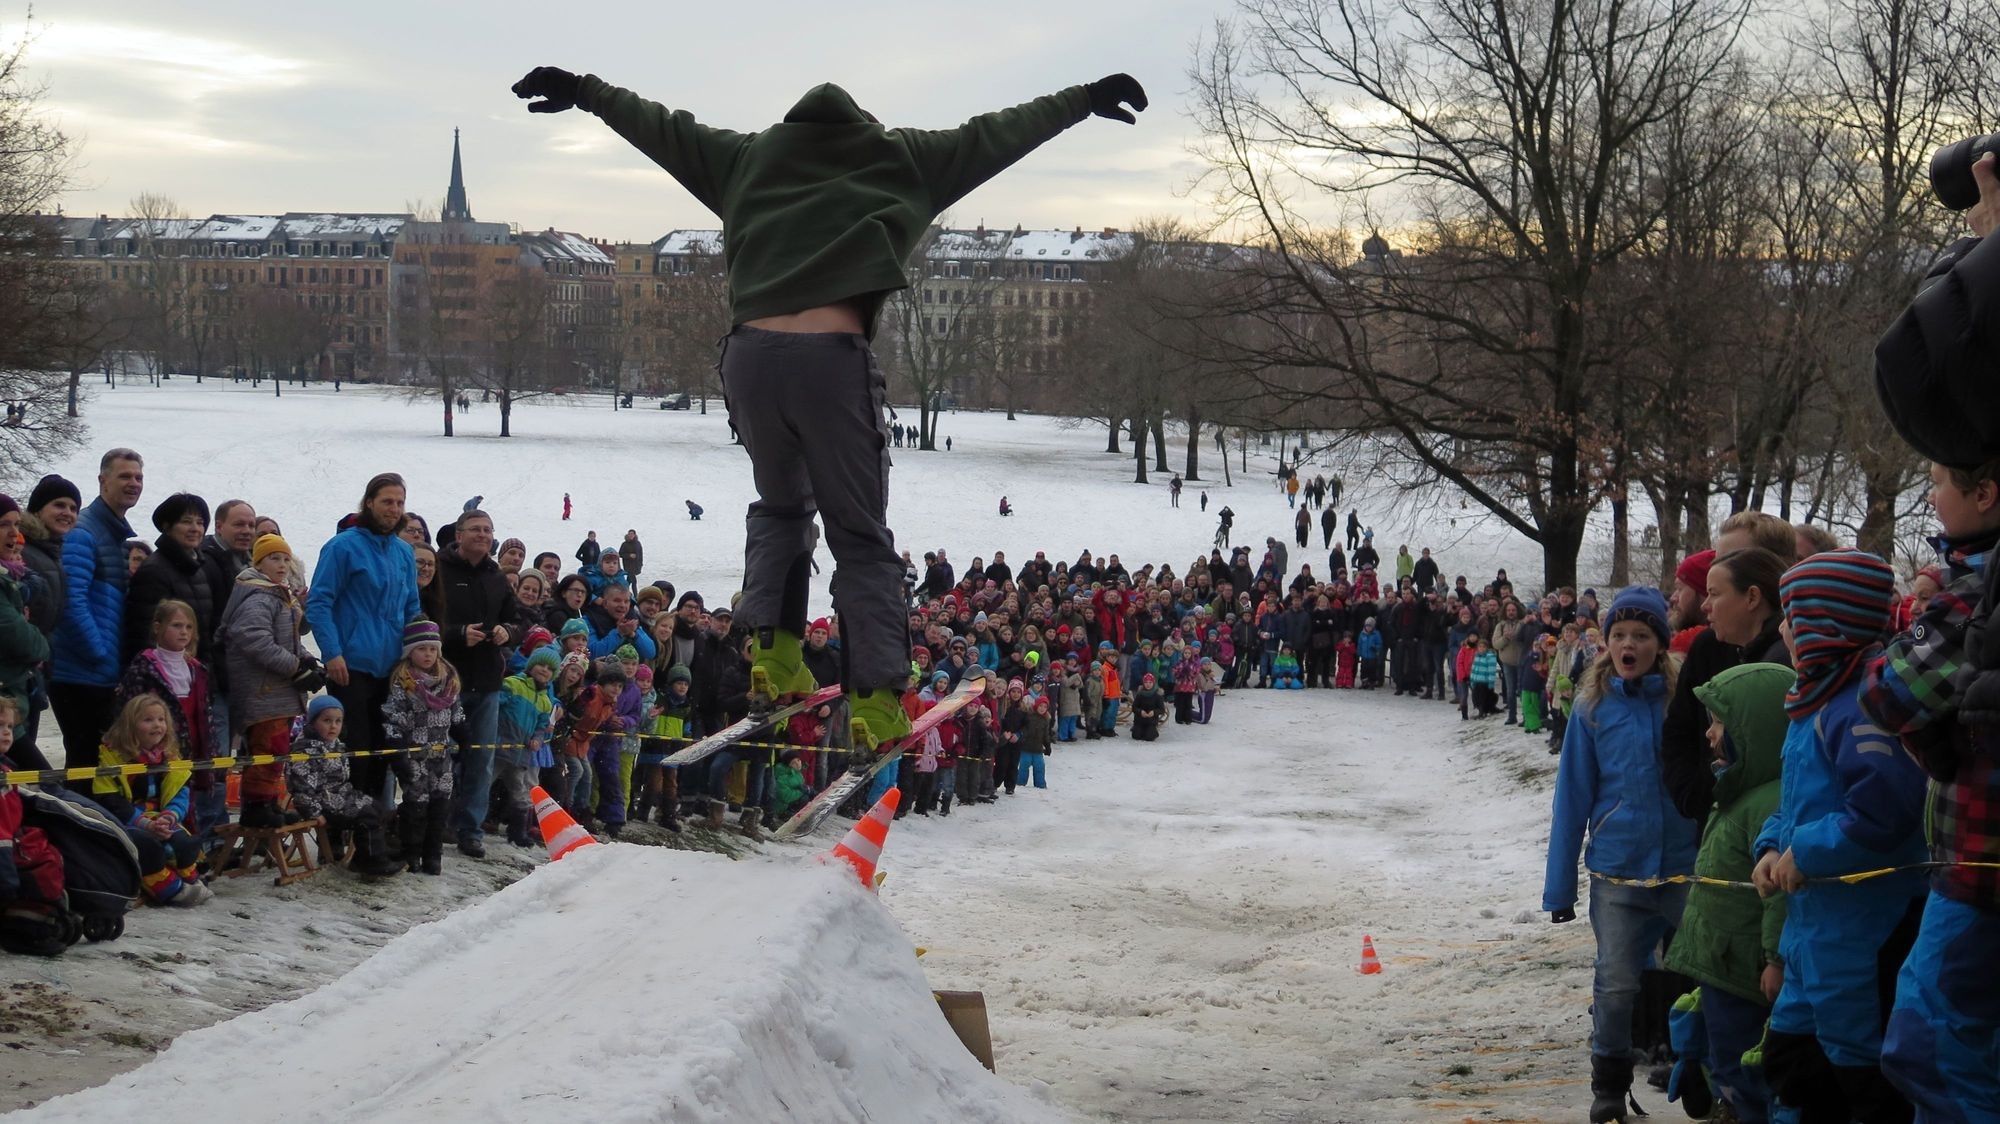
(1172, 931)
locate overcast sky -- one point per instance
(261, 107)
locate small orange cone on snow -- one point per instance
(559, 831)
(1369, 965)
(862, 847)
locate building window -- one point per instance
(1062, 271)
(951, 269)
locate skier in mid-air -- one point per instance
(819, 213)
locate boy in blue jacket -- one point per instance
(1609, 782)
(1850, 800)
(1368, 646)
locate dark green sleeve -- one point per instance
(701, 158)
(954, 161)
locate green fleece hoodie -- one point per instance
(1728, 933)
(826, 205)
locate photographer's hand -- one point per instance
(1985, 214)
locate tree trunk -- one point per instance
(1667, 520)
(1621, 537)
(507, 411)
(75, 386)
(1193, 472)
(1111, 438)
(1139, 450)
(1562, 539)
(924, 422)
(449, 407)
(1223, 444)
(1699, 536)
(1878, 519)
(1159, 443)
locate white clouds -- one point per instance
(176, 66)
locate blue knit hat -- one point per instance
(1640, 603)
(544, 657)
(573, 627)
(320, 705)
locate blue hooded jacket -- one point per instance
(364, 590)
(1609, 782)
(85, 649)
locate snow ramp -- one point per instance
(622, 984)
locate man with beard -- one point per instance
(364, 591)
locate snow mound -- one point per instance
(624, 983)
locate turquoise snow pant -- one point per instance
(1943, 1046)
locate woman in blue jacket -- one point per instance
(1609, 783)
(1850, 800)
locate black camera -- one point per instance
(1951, 170)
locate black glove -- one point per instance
(308, 679)
(556, 87)
(1107, 97)
(1562, 916)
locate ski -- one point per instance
(809, 818)
(741, 729)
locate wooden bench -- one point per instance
(296, 851)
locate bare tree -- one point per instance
(943, 327)
(1511, 129)
(518, 349)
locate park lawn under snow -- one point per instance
(1170, 932)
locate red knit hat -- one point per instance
(1694, 570)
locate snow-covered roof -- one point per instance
(560, 245)
(689, 242)
(963, 244)
(310, 225)
(248, 228)
(1069, 245)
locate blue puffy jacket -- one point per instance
(1850, 799)
(1609, 782)
(364, 590)
(1368, 645)
(85, 650)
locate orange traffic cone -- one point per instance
(862, 848)
(1369, 965)
(559, 831)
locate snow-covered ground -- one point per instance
(305, 457)
(1169, 933)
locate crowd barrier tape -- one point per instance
(1845, 879)
(82, 773)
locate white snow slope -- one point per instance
(622, 984)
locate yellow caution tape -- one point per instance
(1846, 879)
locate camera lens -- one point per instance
(1951, 170)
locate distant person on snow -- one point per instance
(694, 510)
(1005, 507)
(819, 213)
(565, 507)
(588, 551)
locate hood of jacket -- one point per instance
(1750, 700)
(36, 531)
(827, 104)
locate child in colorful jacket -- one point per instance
(526, 707)
(1851, 801)
(320, 787)
(152, 806)
(424, 704)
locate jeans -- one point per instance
(1264, 666)
(1110, 723)
(211, 810)
(1736, 1024)
(1206, 706)
(1630, 922)
(1036, 763)
(1510, 688)
(474, 781)
(1434, 676)
(576, 779)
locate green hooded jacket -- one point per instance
(827, 204)
(1728, 933)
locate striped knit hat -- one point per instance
(419, 632)
(1837, 604)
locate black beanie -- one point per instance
(176, 506)
(50, 489)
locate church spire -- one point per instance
(456, 209)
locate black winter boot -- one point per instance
(1610, 1087)
(410, 827)
(517, 829)
(435, 814)
(371, 850)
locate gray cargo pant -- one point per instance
(809, 407)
